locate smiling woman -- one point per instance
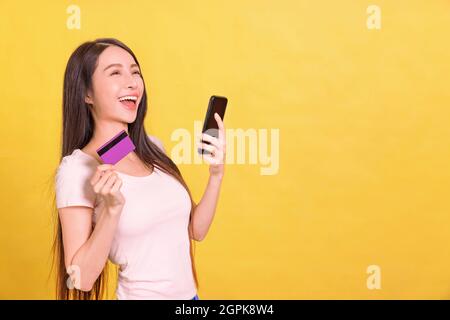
(116, 80)
(143, 222)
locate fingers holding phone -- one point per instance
(213, 146)
(213, 124)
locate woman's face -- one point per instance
(117, 86)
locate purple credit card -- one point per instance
(116, 148)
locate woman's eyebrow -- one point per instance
(119, 65)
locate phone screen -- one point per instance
(217, 105)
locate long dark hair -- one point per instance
(77, 131)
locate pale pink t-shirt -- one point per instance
(151, 244)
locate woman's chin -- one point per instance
(131, 119)
(127, 118)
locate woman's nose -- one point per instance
(132, 85)
(132, 82)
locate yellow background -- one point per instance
(364, 138)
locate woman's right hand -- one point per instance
(106, 185)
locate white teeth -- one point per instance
(133, 98)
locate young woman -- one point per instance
(139, 213)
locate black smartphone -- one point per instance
(216, 104)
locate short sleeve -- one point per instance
(158, 143)
(72, 184)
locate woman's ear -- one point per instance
(88, 98)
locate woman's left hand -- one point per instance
(217, 148)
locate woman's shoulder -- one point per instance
(72, 181)
(77, 163)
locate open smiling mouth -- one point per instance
(129, 102)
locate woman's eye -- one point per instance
(117, 72)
